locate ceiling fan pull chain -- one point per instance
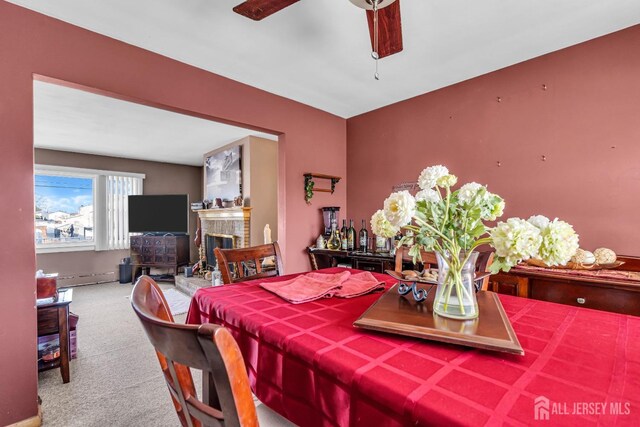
(375, 54)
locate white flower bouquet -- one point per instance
(453, 223)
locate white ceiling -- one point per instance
(317, 51)
(74, 120)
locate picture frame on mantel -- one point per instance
(223, 174)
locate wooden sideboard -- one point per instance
(619, 296)
(367, 261)
(170, 251)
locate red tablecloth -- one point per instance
(311, 365)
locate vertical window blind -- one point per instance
(118, 188)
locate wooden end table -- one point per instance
(53, 318)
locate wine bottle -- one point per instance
(363, 237)
(334, 241)
(343, 234)
(351, 237)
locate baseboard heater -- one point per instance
(87, 279)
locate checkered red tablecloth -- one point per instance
(311, 365)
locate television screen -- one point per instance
(159, 214)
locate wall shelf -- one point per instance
(309, 184)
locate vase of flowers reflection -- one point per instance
(454, 223)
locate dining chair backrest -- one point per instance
(239, 265)
(402, 257)
(208, 348)
(485, 259)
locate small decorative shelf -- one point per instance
(309, 184)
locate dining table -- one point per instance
(580, 367)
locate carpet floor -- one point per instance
(116, 379)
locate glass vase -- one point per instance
(456, 294)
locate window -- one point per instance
(64, 209)
(82, 209)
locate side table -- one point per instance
(53, 318)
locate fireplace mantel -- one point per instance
(225, 213)
(230, 221)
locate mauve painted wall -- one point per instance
(160, 178)
(33, 43)
(590, 106)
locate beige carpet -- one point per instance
(116, 378)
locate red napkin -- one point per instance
(308, 287)
(354, 286)
(359, 284)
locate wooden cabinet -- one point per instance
(618, 296)
(159, 251)
(510, 284)
(375, 263)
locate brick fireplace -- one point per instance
(231, 225)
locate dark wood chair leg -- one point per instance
(63, 327)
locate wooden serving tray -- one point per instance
(401, 315)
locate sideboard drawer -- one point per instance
(589, 296)
(372, 266)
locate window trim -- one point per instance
(97, 175)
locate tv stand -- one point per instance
(160, 251)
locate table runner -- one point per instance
(631, 276)
(311, 365)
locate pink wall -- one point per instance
(591, 104)
(32, 43)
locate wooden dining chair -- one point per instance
(403, 257)
(240, 265)
(485, 259)
(227, 399)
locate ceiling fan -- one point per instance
(383, 16)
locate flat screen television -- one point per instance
(159, 214)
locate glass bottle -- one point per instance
(334, 241)
(363, 237)
(343, 235)
(381, 244)
(351, 237)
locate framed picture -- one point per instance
(223, 174)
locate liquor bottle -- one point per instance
(363, 237)
(343, 234)
(334, 241)
(351, 237)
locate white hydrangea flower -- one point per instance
(380, 225)
(559, 243)
(496, 207)
(399, 208)
(429, 177)
(539, 221)
(468, 191)
(515, 240)
(428, 195)
(447, 181)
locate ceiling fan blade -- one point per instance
(260, 9)
(389, 29)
